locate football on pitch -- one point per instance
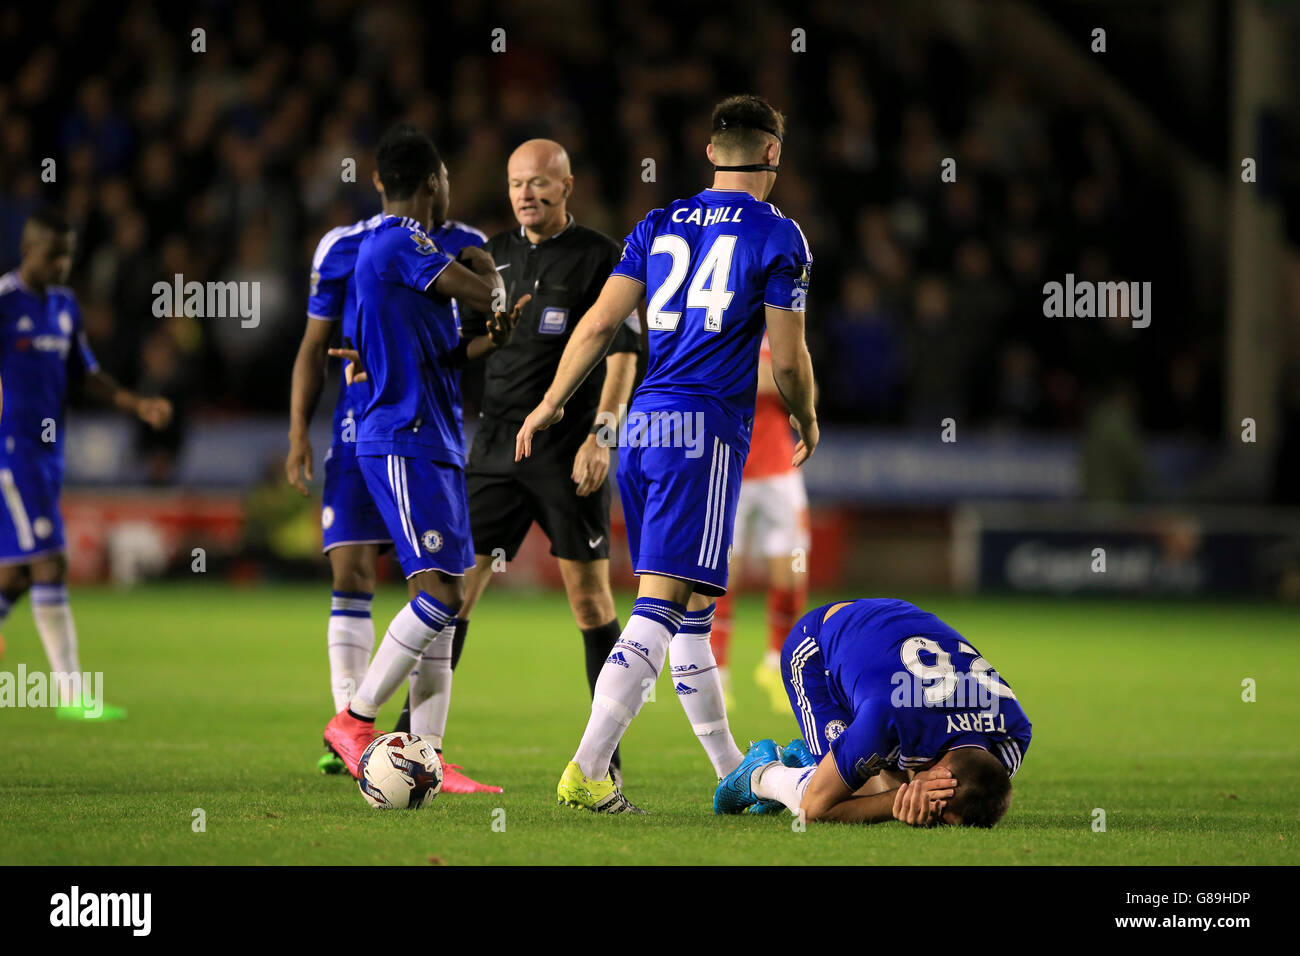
(400, 772)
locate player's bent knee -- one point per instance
(354, 580)
(592, 609)
(352, 569)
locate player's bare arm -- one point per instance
(499, 327)
(792, 374)
(473, 281)
(766, 383)
(587, 346)
(154, 411)
(919, 802)
(304, 393)
(591, 464)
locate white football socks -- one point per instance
(431, 688)
(58, 632)
(626, 680)
(351, 641)
(699, 687)
(407, 637)
(783, 784)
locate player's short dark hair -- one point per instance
(742, 123)
(405, 157)
(52, 219)
(983, 787)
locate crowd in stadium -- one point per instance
(927, 300)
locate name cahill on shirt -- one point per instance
(710, 218)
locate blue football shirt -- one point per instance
(710, 264)
(916, 688)
(405, 332)
(42, 345)
(333, 295)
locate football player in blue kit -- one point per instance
(901, 718)
(352, 530)
(716, 268)
(410, 443)
(42, 348)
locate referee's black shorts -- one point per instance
(505, 498)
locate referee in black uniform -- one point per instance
(562, 486)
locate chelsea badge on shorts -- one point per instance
(834, 728)
(432, 541)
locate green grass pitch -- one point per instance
(1137, 711)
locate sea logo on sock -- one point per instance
(834, 728)
(432, 541)
(683, 690)
(682, 668)
(617, 658)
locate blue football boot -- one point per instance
(797, 754)
(734, 793)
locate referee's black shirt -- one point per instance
(564, 274)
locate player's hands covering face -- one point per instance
(920, 802)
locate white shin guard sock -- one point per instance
(784, 784)
(698, 684)
(407, 637)
(431, 688)
(53, 617)
(351, 641)
(626, 680)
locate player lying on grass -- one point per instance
(903, 720)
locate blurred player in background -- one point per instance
(772, 518)
(563, 486)
(410, 437)
(901, 718)
(352, 530)
(42, 348)
(716, 268)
